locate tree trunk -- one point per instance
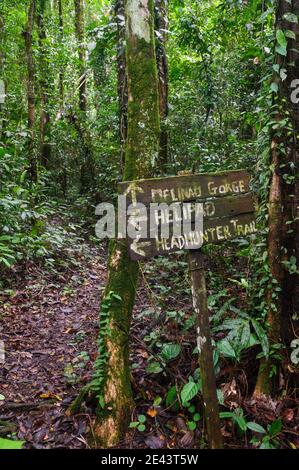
(112, 377)
(33, 172)
(79, 24)
(162, 65)
(122, 77)
(45, 87)
(2, 66)
(61, 69)
(283, 238)
(87, 167)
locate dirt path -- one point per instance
(49, 327)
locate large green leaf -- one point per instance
(8, 444)
(256, 427)
(170, 351)
(281, 39)
(226, 349)
(189, 391)
(262, 337)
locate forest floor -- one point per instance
(50, 327)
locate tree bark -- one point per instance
(2, 67)
(122, 82)
(161, 17)
(33, 168)
(45, 87)
(87, 167)
(113, 381)
(283, 238)
(79, 24)
(61, 69)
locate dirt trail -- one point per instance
(49, 327)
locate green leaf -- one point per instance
(8, 444)
(189, 391)
(226, 349)
(226, 414)
(141, 427)
(275, 67)
(170, 351)
(281, 39)
(141, 418)
(191, 425)
(275, 427)
(157, 401)
(134, 424)
(274, 87)
(196, 417)
(281, 50)
(291, 17)
(2, 397)
(262, 337)
(171, 396)
(290, 34)
(256, 427)
(245, 336)
(241, 422)
(154, 368)
(220, 396)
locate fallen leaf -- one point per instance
(152, 412)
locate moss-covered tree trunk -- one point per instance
(112, 377)
(283, 238)
(79, 25)
(122, 83)
(45, 85)
(87, 167)
(2, 66)
(61, 37)
(161, 17)
(28, 32)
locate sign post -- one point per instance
(224, 205)
(204, 345)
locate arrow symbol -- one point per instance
(133, 189)
(137, 247)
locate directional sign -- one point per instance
(186, 187)
(221, 200)
(206, 208)
(210, 209)
(214, 231)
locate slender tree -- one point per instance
(87, 167)
(27, 33)
(283, 238)
(44, 85)
(161, 16)
(80, 34)
(122, 76)
(61, 37)
(2, 65)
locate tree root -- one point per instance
(76, 405)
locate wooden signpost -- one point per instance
(227, 211)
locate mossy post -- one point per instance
(112, 377)
(204, 344)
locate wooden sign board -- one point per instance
(214, 231)
(227, 209)
(186, 187)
